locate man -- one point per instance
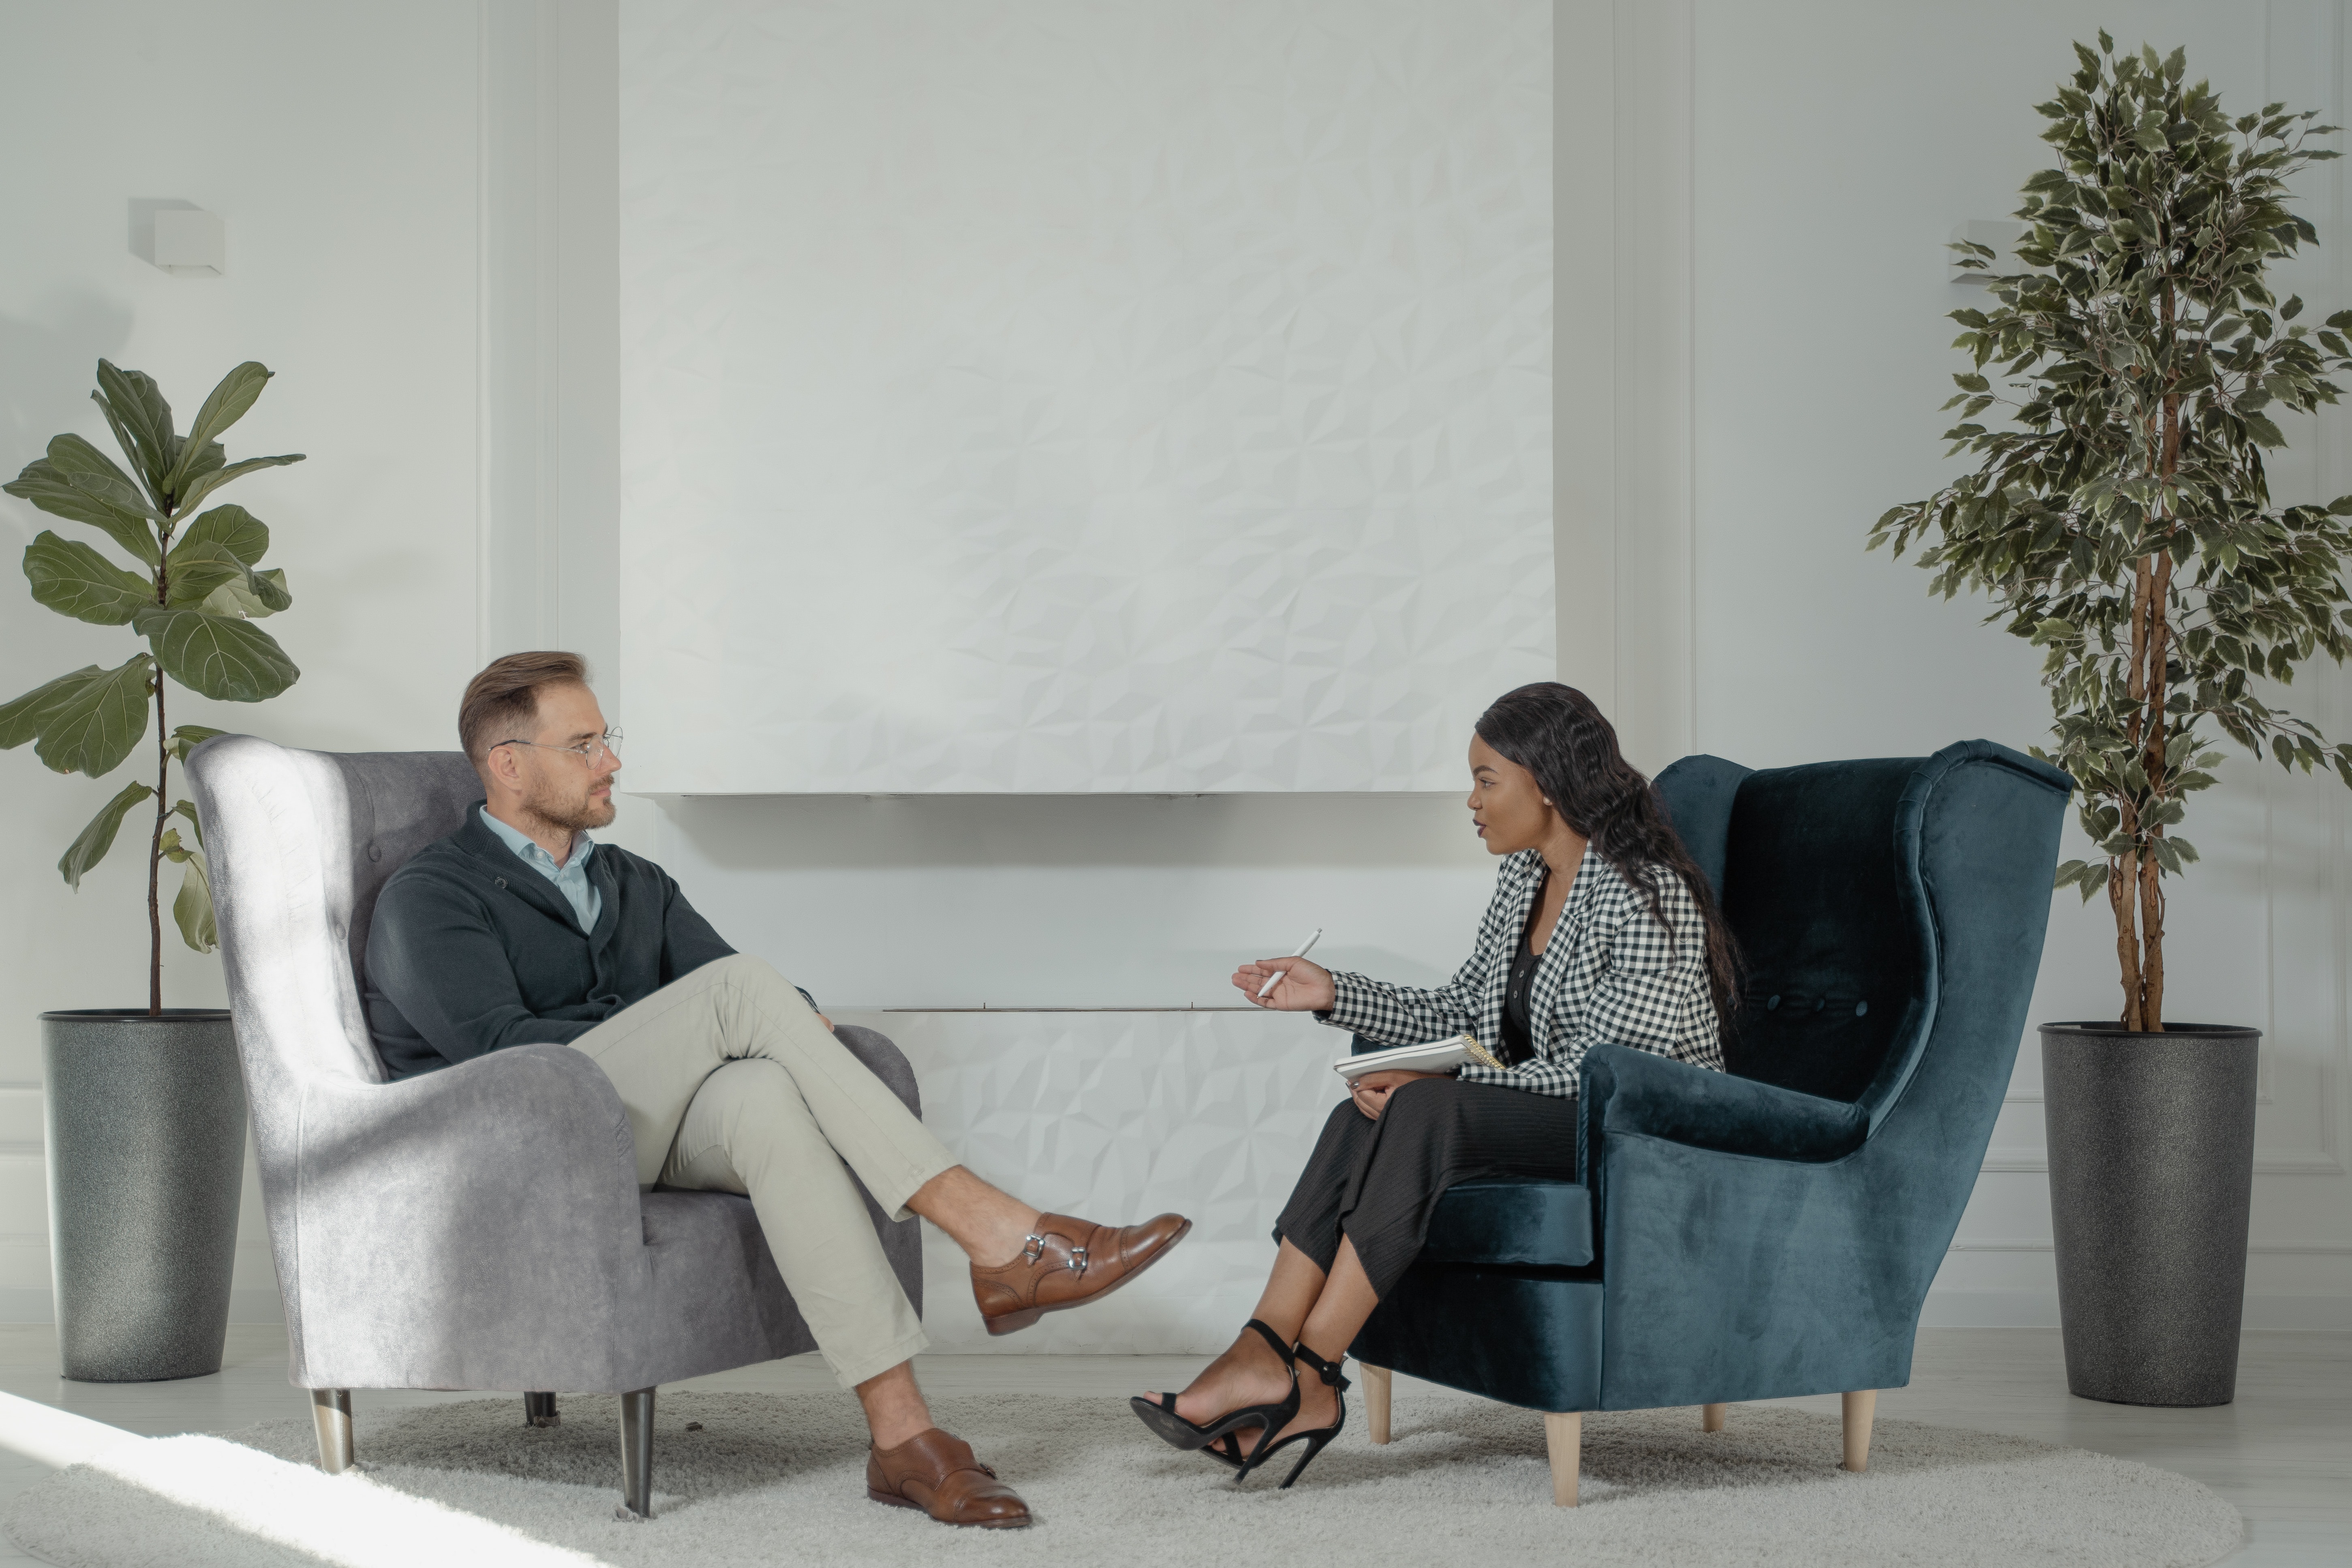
(518, 929)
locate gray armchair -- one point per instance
(478, 1227)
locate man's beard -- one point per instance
(574, 814)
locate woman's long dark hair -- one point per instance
(1556, 733)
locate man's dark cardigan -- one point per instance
(472, 949)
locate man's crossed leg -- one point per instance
(733, 1083)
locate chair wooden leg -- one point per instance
(538, 1410)
(331, 1408)
(1859, 1410)
(1564, 1441)
(1710, 1417)
(637, 1454)
(1376, 1400)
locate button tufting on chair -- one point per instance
(1771, 1229)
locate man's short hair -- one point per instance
(502, 702)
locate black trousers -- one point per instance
(1379, 1182)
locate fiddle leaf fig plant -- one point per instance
(2120, 515)
(192, 589)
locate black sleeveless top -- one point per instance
(1518, 1041)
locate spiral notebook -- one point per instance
(1436, 1056)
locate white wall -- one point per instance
(1832, 146)
(340, 145)
(1161, 392)
(1751, 350)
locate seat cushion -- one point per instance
(1526, 1223)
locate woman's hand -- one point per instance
(1371, 1091)
(1304, 987)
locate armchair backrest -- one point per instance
(299, 843)
(1845, 885)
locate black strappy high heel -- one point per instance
(1160, 1415)
(1316, 1440)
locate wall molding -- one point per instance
(2044, 1244)
(2319, 1164)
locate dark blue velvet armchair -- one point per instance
(1771, 1230)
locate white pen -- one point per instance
(1304, 948)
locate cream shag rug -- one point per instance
(771, 1479)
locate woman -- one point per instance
(1601, 929)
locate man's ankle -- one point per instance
(900, 1430)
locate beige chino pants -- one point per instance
(733, 1084)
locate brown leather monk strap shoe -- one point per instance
(1068, 1261)
(936, 1471)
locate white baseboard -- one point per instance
(1945, 1309)
(2039, 1309)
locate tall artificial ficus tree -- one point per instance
(2120, 516)
(193, 593)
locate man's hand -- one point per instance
(1304, 987)
(1371, 1091)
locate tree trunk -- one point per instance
(155, 859)
(2123, 888)
(2151, 871)
(2126, 872)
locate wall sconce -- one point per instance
(190, 243)
(2001, 235)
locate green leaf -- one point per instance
(246, 535)
(264, 593)
(122, 438)
(193, 910)
(74, 579)
(24, 719)
(196, 572)
(87, 850)
(204, 485)
(92, 730)
(211, 457)
(227, 659)
(226, 405)
(270, 587)
(94, 473)
(136, 407)
(186, 739)
(42, 484)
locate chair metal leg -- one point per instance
(1376, 1380)
(1564, 1441)
(332, 1409)
(1859, 1410)
(538, 1410)
(637, 1454)
(1710, 1417)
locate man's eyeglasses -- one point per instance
(608, 744)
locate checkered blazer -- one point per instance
(1610, 974)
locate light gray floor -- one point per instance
(2282, 1453)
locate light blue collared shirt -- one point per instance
(570, 879)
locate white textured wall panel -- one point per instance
(1068, 395)
(1115, 1117)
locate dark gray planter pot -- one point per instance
(146, 1154)
(2151, 1144)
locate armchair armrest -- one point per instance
(502, 1190)
(1641, 1092)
